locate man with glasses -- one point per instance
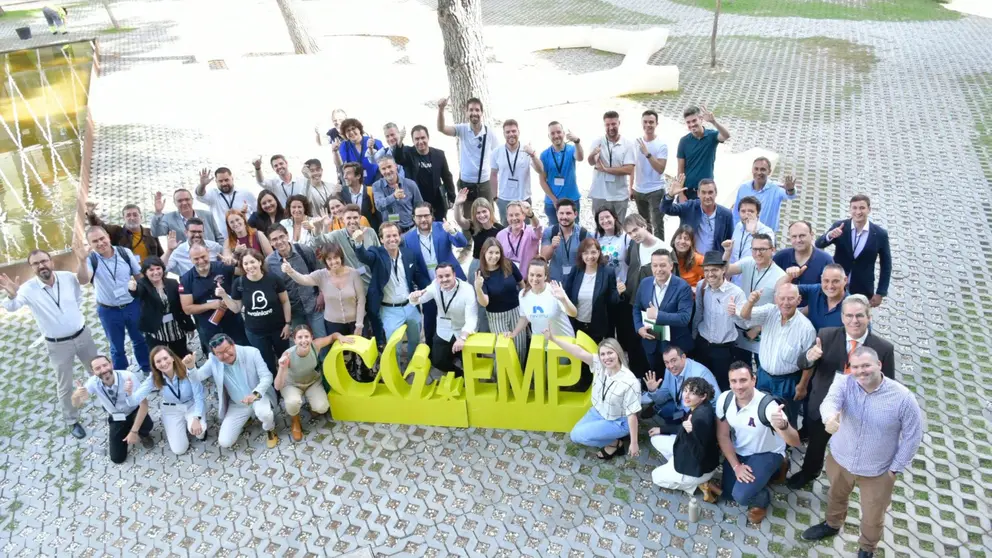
(758, 274)
(829, 357)
(803, 254)
(128, 420)
(244, 388)
(137, 238)
(55, 299)
(176, 221)
(177, 258)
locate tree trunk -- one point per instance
(716, 18)
(302, 42)
(110, 14)
(464, 52)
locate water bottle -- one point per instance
(693, 510)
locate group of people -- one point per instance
(718, 340)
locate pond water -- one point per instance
(43, 102)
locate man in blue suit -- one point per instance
(857, 245)
(711, 223)
(669, 298)
(397, 271)
(432, 242)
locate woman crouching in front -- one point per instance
(616, 400)
(184, 407)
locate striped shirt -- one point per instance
(715, 325)
(879, 431)
(615, 396)
(781, 344)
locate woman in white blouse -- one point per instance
(543, 304)
(616, 400)
(301, 229)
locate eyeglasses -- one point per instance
(759, 250)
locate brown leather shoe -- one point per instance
(297, 429)
(756, 515)
(783, 472)
(711, 491)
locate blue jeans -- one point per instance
(784, 387)
(394, 317)
(271, 345)
(594, 431)
(552, 213)
(115, 322)
(754, 494)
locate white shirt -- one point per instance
(615, 396)
(56, 308)
(647, 179)
(429, 251)
(283, 190)
(319, 195)
(113, 398)
(471, 159)
(781, 344)
(612, 187)
(219, 204)
(659, 292)
(179, 261)
(584, 304)
(457, 309)
(644, 251)
(750, 436)
(752, 279)
(716, 326)
(512, 173)
(544, 310)
(305, 235)
(396, 291)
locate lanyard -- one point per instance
(555, 159)
(609, 150)
(429, 246)
(515, 249)
(113, 276)
(482, 154)
(758, 282)
(513, 166)
(444, 307)
(857, 237)
(178, 392)
(230, 204)
(740, 251)
(396, 268)
(567, 247)
(292, 189)
(606, 388)
(117, 392)
(55, 287)
(323, 198)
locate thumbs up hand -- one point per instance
(687, 424)
(833, 424)
(794, 272)
(189, 361)
(128, 387)
(556, 241)
(834, 233)
(815, 352)
(779, 419)
(285, 267)
(652, 312)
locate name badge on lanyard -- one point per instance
(118, 417)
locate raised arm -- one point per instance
(441, 126)
(569, 347)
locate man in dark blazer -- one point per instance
(428, 167)
(828, 357)
(671, 298)
(388, 305)
(431, 240)
(857, 245)
(719, 220)
(356, 192)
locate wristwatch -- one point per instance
(257, 395)
(647, 155)
(577, 141)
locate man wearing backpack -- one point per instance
(110, 268)
(753, 432)
(306, 303)
(560, 244)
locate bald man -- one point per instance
(785, 334)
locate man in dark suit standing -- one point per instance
(828, 357)
(428, 167)
(857, 245)
(667, 299)
(356, 192)
(711, 223)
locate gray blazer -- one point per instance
(251, 362)
(172, 221)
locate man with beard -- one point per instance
(177, 258)
(306, 303)
(318, 191)
(456, 316)
(198, 286)
(175, 221)
(475, 147)
(224, 198)
(395, 197)
(803, 255)
(352, 216)
(511, 174)
(284, 184)
(614, 158)
(560, 242)
(55, 300)
(428, 167)
(558, 164)
(357, 193)
(140, 240)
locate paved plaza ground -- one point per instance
(893, 99)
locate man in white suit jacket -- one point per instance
(244, 386)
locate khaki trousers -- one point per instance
(293, 395)
(876, 495)
(63, 356)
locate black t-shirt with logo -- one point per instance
(260, 303)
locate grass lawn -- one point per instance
(556, 12)
(882, 10)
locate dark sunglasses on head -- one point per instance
(217, 342)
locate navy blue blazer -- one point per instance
(604, 297)
(675, 312)
(442, 246)
(380, 265)
(861, 270)
(689, 213)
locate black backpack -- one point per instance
(94, 262)
(766, 400)
(555, 229)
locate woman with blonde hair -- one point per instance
(184, 407)
(242, 237)
(481, 227)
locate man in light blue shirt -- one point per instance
(395, 197)
(665, 396)
(128, 420)
(744, 231)
(177, 258)
(110, 268)
(771, 195)
(558, 176)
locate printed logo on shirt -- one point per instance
(258, 301)
(537, 310)
(750, 422)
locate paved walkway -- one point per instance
(898, 110)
